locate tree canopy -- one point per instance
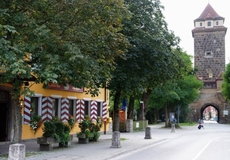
(60, 41)
(226, 83)
(176, 92)
(151, 59)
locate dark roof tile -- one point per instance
(209, 14)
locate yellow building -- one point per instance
(59, 101)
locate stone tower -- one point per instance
(209, 58)
(209, 45)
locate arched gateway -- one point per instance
(210, 112)
(209, 58)
(211, 106)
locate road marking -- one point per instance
(201, 151)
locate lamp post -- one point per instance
(143, 107)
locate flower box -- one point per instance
(46, 143)
(46, 140)
(83, 140)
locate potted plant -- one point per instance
(55, 131)
(83, 135)
(49, 136)
(94, 129)
(62, 133)
(89, 130)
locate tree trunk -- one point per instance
(16, 112)
(17, 120)
(156, 115)
(130, 108)
(116, 111)
(166, 116)
(145, 99)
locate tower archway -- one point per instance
(210, 112)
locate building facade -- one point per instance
(63, 102)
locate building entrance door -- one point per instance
(3, 124)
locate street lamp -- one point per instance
(21, 103)
(143, 107)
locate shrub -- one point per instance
(58, 130)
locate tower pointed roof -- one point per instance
(209, 14)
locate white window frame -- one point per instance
(89, 107)
(59, 105)
(101, 104)
(74, 104)
(39, 96)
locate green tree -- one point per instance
(226, 83)
(176, 92)
(150, 59)
(60, 41)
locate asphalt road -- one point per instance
(210, 143)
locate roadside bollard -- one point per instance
(148, 133)
(173, 128)
(116, 140)
(17, 152)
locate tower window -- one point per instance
(209, 23)
(208, 54)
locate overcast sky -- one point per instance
(180, 14)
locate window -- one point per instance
(210, 75)
(209, 23)
(71, 107)
(56, 107)
(87, 108)
(99, 109)
(217, 23)
(34, 106)
(200, 24)
(208, 54)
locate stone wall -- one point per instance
(209, 54)
(214, 98)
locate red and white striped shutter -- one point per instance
(104, 111)
(47, 109)
(82, 113)
(27, 107)
(80, 110)
(64, 110)
(93, 110)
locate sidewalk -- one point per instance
(100, 150)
